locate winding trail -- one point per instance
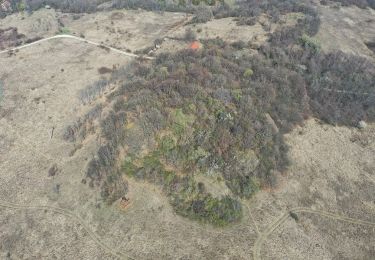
(348, 92)
(73, 216)
(72, 37)
(278, 222)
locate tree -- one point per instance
(1, 91)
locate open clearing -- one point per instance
(348, 29)
(332, 168)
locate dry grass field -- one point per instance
(348, 29)
(332, 170)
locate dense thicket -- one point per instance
(359, 3)
(73, 6)
(9, 37)
(245, 9)
(88, 6)
(341, 88)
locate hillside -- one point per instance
(186, 130)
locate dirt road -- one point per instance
(67, 36)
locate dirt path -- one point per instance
(66, 36)
(278, 222)
(72, 216)
(348, 92)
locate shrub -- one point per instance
(53, 170)
(237, 95)
(248, 73)
(239, 45)
(9, 37)
(243, 186)
(293, 215)
(309, 42)
(246, 21)
(128, 167)
(104, 70)
(1, 91)
(166, 144)
(92, 91)
(217, 211)
(114, 187)
(202, 14)
(190, 35)
(64, 30)
(163, 72)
